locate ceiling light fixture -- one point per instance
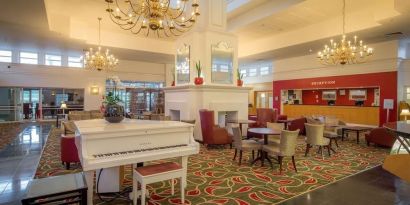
(160, 17)
(98, 60)
(346, 51)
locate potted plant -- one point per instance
(239, 82)
(198, 80)
(113, 108)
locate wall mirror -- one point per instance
(182, 67)
(222, 63)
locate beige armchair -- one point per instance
(315, 137)
(274, 139)
(243, 145)
(286, 148)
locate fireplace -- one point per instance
(175, 115)
(227, 102)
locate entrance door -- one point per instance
(31, 102)
(10, 104)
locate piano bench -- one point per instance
(156, 173)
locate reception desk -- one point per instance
(351, 114)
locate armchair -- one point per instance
(213, 134)
(298, 123)
(69, 151)
(380, 136)
(263, 116)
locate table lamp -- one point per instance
(63, 106)
(405, 113)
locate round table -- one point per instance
(240, 122)
(286, 122)
(264, 132)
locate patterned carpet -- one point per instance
(213, 178)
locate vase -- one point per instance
(173, 83)
(199, 81)
(239, 83)
(114, 113)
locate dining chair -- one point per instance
(315, 137)
(243, 145)
(286, 148)
(274, 139)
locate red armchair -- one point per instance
(263, 115)
(213, 134)
(380, 136)
(298, 123)
(69, 151)
(282, 117)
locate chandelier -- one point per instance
(161, 18)
(345, 51)
(98, 60)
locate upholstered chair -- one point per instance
(286, 148)
(69, 153)
(243, 145)
(298, 123)
(315, 137)
(282, 117)
(263, 115)
(276, 126)
(380, 136)
(213, 134)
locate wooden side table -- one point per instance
(64, 189)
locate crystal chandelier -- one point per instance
(346, 51)
(98, 60)
(161, 18)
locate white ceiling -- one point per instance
(266, 29)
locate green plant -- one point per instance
(198, 68)
(111, 99)
(239, 74)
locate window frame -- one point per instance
(71, 63)
(49, 62)
(4, 56)
(28, 58)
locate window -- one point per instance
(243, 72)
(252, 72)
(28, 58)
(74, 61)
(5, 56)
(407, 93)
(264, 71)
(54, 60)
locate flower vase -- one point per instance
(199, 81)
(114, 113)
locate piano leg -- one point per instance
(89, 177)
(184, 163)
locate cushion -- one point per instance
(74, 117)
(69, 127)
(97, 115)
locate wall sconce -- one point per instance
(95, 90)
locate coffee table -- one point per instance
(264, 132)
(356, 129)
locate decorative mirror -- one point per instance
(182, 64)
(222, 63)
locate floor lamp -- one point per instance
(63, 106)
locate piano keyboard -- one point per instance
(122, 153)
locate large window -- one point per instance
(243, 72)
(5, 56)
(54, 60)
(264, 71)
(252, 72)
(75, 61)
(28, 58)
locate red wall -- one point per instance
(309, 97)
(386, 81)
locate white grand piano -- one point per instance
(104, 145)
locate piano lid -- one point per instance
(102, 126)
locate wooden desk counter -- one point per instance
(351, 114)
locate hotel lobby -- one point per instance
(228, 102)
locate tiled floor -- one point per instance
(375, 186)
(18, 162)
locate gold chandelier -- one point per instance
(98, 60)
(161, 18)
(346, 51)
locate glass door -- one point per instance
(10, 104)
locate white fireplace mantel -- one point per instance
(189, 99)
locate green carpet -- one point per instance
(213, 178)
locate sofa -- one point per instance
(68, 126)
(380, 136)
